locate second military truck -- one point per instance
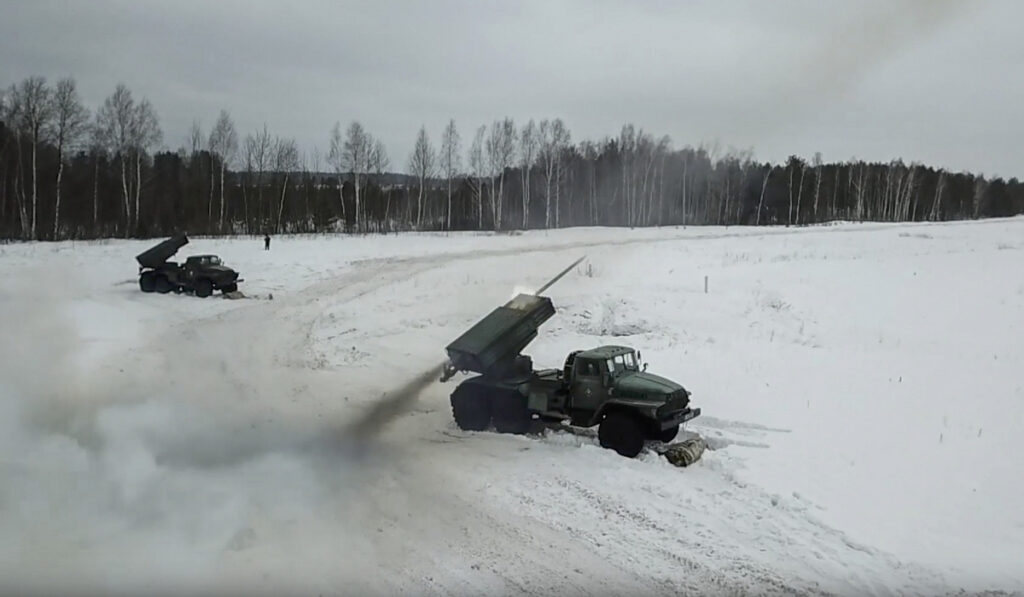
(605, 386)
(199, 274)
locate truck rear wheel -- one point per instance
(147, 281)
(471, 408)
(204, 288)
(623, 433)
(162, 284)
(510, 413)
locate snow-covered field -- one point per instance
(862, 388)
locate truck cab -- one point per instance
(607, 379)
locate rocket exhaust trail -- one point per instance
(391, 405)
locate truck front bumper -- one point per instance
(679, 417)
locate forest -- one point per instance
(68, 172)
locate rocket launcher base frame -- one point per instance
(496, 340)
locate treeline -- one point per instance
(67, 172)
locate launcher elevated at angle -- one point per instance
(604, 385)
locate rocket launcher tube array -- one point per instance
(496, 340)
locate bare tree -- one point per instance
(379, 160)
(978, 197)
(479, 169)
(95, 152)
(70, 121)
(146, 136)
(378, 165)
(528, 142)
(9, 115)
(628, 150)
(764, 185)
(195, 138)
(114, 123)
(422, 165)
(224, 144)
(450, 162)
(286, 161)
(259, 156)
(128, 130)
(816, 161)
(33, 109)
(355, 158)
(553, 137)
(501, 148)
(933, 215)
(337, 162)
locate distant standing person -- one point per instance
(266, 242)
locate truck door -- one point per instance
(588, 391)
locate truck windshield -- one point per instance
(622, 362)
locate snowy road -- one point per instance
(200, 444)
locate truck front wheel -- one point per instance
(666, 435)
(471, 408)
(204, 288)
(623, 433)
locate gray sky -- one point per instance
(935, 81)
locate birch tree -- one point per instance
(354, 158)
(379, 162)
(422, 165)
(95, 152)
(34, 111)
(286, 161)
(817, 185)
(70, 123)
(223, 143)
(259, 156)
(478, 166)
(450, 162)
(553, 137)
(114, 123)
(9, 115)
(195, 139)
(528, 142)
(933, 215)
(501, 148)
(337, 163)
(146, 135)
(764, 186)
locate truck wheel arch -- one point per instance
(612, 406)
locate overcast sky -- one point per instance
(935, 81)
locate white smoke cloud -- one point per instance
(162, 469)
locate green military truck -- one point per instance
(199, 274)
(605, 386)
